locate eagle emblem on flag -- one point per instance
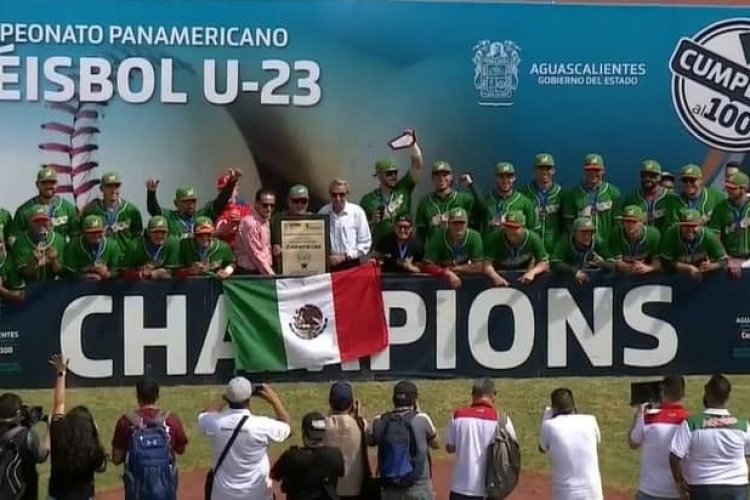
(308, 322)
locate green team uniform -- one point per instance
(646, 248)
(9, 274)
(706, 245)
(7, 226)
(122, 223)
(547, 212)
(733, 227)
(432, 212)
(569, 256)
(441, 250)
(601, 205)
(141, 252)
(659, 210)
(79, 256)
(182, 228)
(705, 203)
(392, 207)
(502, 255)
(218, 254)
(23, 254)
(62, 213)
(495, 207)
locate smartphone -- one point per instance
(645, 392)
(257, 387)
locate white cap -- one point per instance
(239, 389)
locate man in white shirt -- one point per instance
(714, 444)
(244, 473)
(350, 236)
(470, 431)
(652, 431)
(571, 440)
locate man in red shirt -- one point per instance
(228, 221)
(147, 394)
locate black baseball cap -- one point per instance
(314, 426)
(405, 393)
(341, 396)
(404, 218)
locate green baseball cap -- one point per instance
(651, 167)
(690, 217)
(583, 224)
(38, 212)
(457, 214)
(593, 161)
(387, 165)
(632, 213)
(93, 224)
(110, 179)
(204, 225)
(515, 218)
(505, 168)
(46, 174)
(157, 223)
(692, 171)
(298, 191)
(441, 166)
(544, 160)
(738, 180)
(185, 193)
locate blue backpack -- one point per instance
(150, 469)
(398, 462)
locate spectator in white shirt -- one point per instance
(652, 431)
(470, 431)
(244, 473)
(350, 236)
(571, 440)
(714, 444)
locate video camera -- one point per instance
(32, 415)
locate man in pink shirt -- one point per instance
(253, 243)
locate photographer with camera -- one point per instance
(20, 448)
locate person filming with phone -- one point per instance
(240, 440)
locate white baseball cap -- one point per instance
(238, 390)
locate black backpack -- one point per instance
(398, 463)
(503, 465)
(12, 485)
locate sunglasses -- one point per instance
(403, 227)
(268, 205)
(689, 180)
(338, 195)
(299, 200)
(650, 176)
(391, 173)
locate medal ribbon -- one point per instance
(154, 254)
(402, 250)
(187, 224)
(97, 252)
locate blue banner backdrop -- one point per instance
(175, 331)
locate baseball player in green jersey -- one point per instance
(62, 213)
(514, 248)
(731, 221)
(92, 255)
(39, 252)
(505, 198)
(688, 247)
(633, 245)
(204, 254)
(546, 196)
(155, 255)
(122, 220)
(392, 198)
(7, 227)
(594, 198)
(432, 210)
(182, 221)
(583, 250)
(12, 285)
(457, 248)
(695, 195)
(655, 201)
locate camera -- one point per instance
(257, 388)
(32, 415)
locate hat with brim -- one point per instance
(39, 213)
(651, 167)
(46, 174)
(690, 218)
(593, 161)
(544, 160)
(514, 220)
(204, 225)
(738, 181)
(441, 167)
(583, 224)
(505, 168)
(632, 213)
(158, 224)
(110, 179)
(692, 172)
(185, 193)
(298, 191)
(458, 214)
(314, 426)
(382, 166)
(93, 224)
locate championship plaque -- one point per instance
(305, 244)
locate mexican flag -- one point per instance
(306, 322)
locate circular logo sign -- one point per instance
(711, 84)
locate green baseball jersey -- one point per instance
(218, 254)
(391, 207)
(7, 226)
(443, 251)
(79, 255)
(547, 211)
(9, 274)
(495, 207)
(503, 255)
(706, 245)
(601, 205)
(23, 254)
(568, 253)
(141, 252)
(705, 203)
(659, 209)
(432, 212)
(646, 248)
(63, 216)
(733, 226)
(122, 223)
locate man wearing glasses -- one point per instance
(654, 200)
(254, 237)
(297, 203)
(695, 196)
(350, 236)
(400, 251)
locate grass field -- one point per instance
(523, 399)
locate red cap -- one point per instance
(222, 182)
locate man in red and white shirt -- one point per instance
(228, 221)
(470, 432)
(652, 431)
(253, 248)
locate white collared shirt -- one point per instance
(350, 231)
